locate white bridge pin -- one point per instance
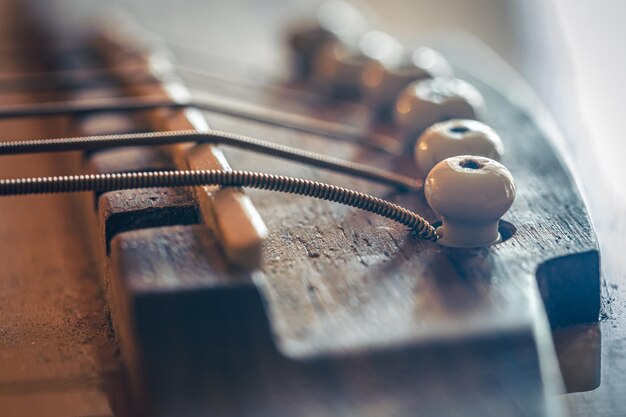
(470, 194)
(382, 80)
(456, 137)
(424, 103)
(340, 65)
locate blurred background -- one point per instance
(569, 51)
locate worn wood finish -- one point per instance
(352, 316)
(209, 348)
(190, 285)
(430, 297)
(243, 243)
(140, 209)
(146, 209)
(57, 355)
(128, 210)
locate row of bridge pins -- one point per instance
(458, 156)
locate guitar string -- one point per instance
(110, 182)
(375, 141)
(84, 143)
(140, 72)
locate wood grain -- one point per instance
(242, 244)
(431, 296)
(327, 298)
(57, 355)
(549, 236)
(210, 347)
(351, 316)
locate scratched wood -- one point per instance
(350, 315)
(430, 296)
(128, 210)
(228, 210)
(219, 353)
(121, 212)
(57, 355)
(340, 285)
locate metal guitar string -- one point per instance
(47, 85)
(398, 181)
(77, 108)
(136, 73)
(294, 122)
(377, 141)
(80, 73)
(110, 182)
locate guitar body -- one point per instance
(224, 302)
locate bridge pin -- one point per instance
(340, 66)
(470, 194)
(383, 80)
(424, 103)
(336, 19)
(456, 137)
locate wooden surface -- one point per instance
(314, 322)
(526, 34)
(317, 253)
(56, 352)
(223, 358)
